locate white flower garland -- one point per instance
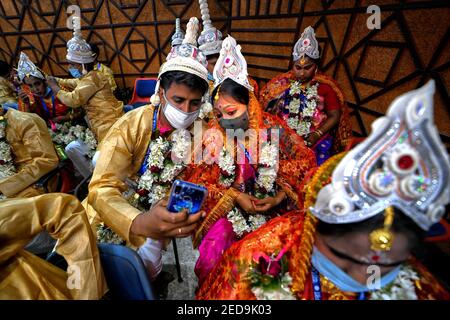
(161, 169)
(267, 170)
(227, 167)
(240, 224)
(7, 167)
(266, 177)
(281, 293)
(402, 288)
(66, 133)
(297, 119)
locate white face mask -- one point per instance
(177, 118)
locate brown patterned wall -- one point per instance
(373, 67)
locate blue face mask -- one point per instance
(210, 77)
(74, 72)
(341, 279)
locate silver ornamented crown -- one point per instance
(210, 40)
(231, 64)
(178, 36)
(26, 68)
(184, 57)
(306, 45)
(78, 50)
(187, 57)
(403, 164)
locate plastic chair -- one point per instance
(124, 271)
(143, 90)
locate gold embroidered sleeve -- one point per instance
(80, 95)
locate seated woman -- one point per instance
(309, 102)
(26, 276)
(356, 238)
(246, 191)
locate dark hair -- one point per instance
(233, 89)
(89, 66)
(402, 224)
(95, 49)
(180, 77)
(215, 55)
(5, 68)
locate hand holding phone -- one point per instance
(186, 195)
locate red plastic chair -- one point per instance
(143, 90)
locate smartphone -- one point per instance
(186, 195)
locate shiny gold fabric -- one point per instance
(6, 92)
(34, 154)
(93, 93)
(121, 155)
(26, 276)
(107, 72)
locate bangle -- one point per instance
(319, 132)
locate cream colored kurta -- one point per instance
(26, 276)
(93, 93)
(6, 92)
(121, 155)
(33, 151)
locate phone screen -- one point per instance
(186, 195)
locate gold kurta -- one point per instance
(7, 94)
(121, 155)
(93, 93)
(34, 154)
(107, 72)
(26, 276)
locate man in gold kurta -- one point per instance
(90, 90)
(24, 275)
(33, 153)
(183, 80)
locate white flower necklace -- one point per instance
(402, 288)
(166, 160)
(7, 167)
(302, 106)
(265, 182)
(267, 169)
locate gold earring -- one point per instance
(382, 239)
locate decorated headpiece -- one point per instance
(185, 57)
(210, 40)
(231, 65)
(307, 45)
(26, 68)
(402, 164)
(178, 36)
(78, 50)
